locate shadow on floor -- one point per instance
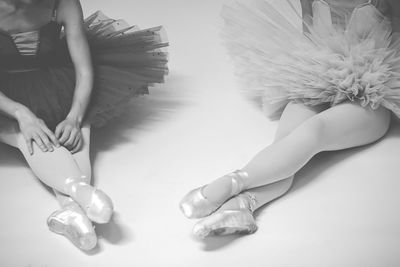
(312, 171)
(142, 114)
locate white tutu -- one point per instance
(347, 54)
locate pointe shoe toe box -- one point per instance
(101, 208)
(195, 205)
(75, 226)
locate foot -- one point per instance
(234, 217)
(96, 204)
(72, 222)
(203, 201)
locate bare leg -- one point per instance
(343, 126)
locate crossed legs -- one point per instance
(82, 159)
(302, 134)
(69, 176)
(293, 116)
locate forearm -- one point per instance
(71, 16)
(10, 108)
(81, 99)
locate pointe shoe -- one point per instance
(96, 204)
(72, 222)
(196, 205)
(228, 222)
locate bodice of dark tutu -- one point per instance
(46, 55)
(126, 61)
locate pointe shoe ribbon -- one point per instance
(196, 205)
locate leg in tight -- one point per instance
(52, 168)
(82, 159)
(59, 170)
(343, 126)
(293, 115)
(335, 130)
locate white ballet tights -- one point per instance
(339, 127)
(52, 168)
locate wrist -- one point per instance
(77, 118)
(21, 112)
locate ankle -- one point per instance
(238, 181)
(73, 185)
(247, 201)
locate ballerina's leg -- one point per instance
(52, 168)
(82, 159)
(59, 170)
(343, 126)
(235, 215)
(70, 218)
(293, 115)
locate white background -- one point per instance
(342, 211)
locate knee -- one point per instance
(383, 119)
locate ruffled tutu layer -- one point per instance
(126, 60)
(356, 60)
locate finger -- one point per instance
(78, 146)
(28, 142)
(72, 137)
(39, 142)
(59, 130)
(52, 136)
(65, 135)
(77, 138)
(77, 142)
(46, 141)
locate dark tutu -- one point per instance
(126, 62)
(348, 54)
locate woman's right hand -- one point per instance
(35, 130)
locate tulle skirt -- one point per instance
(126, 61)
(356, 60)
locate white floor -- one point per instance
(342, 211)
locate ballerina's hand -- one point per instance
(69, 134)
(35, 130)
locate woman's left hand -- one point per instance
(69, 134)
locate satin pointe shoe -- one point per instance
(94, 202)
(72, 222)
(196, 205)
(228, 222)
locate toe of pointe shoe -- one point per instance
(195, 205)
(75, 226)
(227, 222)
(101, 208)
